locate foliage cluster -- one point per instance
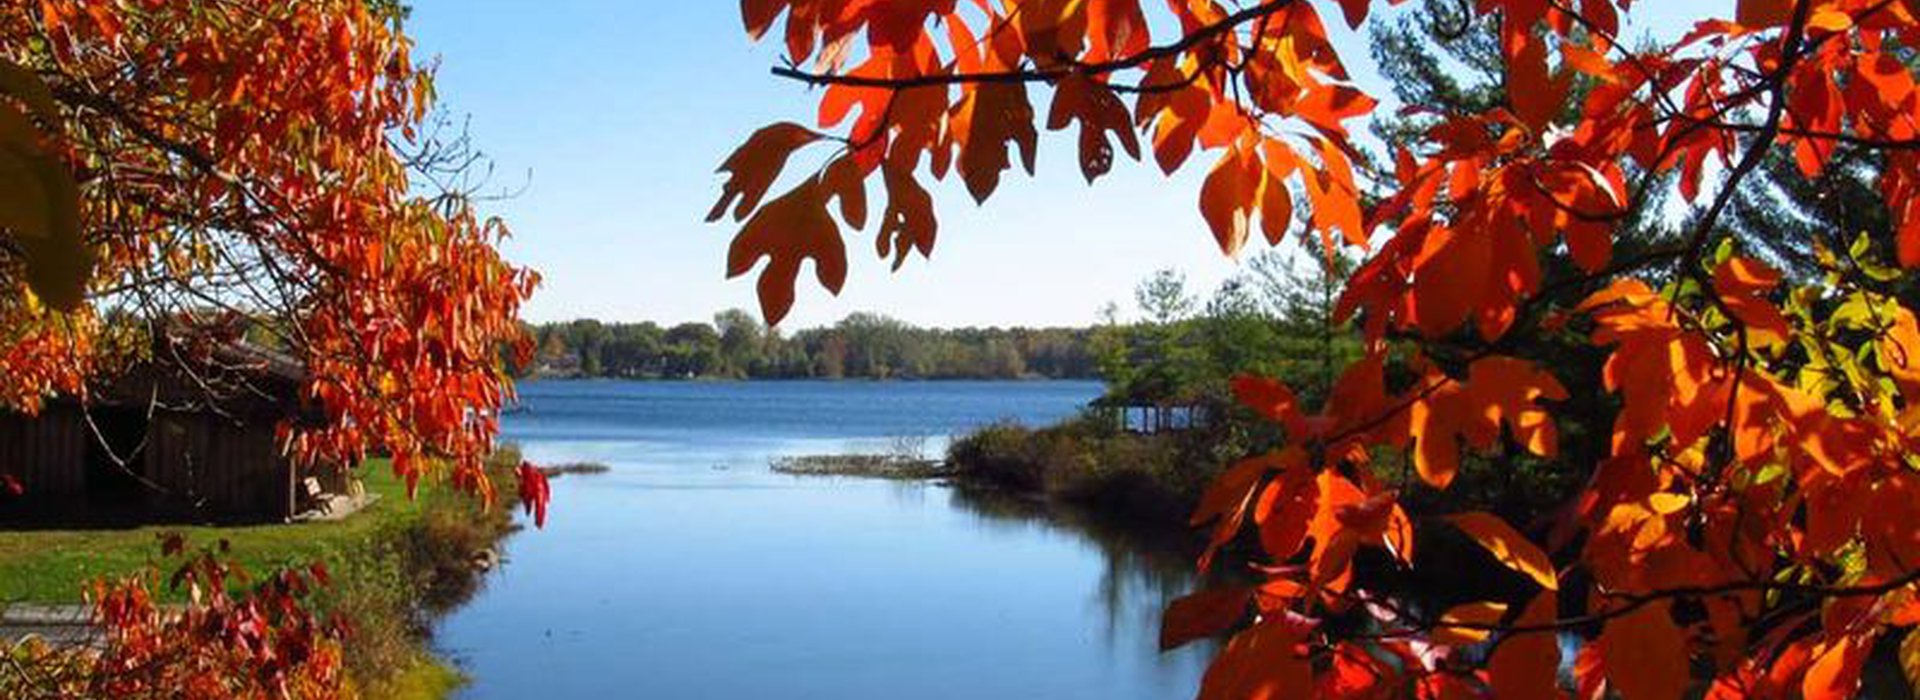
(183, 165)
(1577, 244)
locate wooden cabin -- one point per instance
(193, 437)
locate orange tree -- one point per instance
(1750, 522)
(168, 165)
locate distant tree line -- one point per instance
(736, 345)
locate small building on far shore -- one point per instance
(191, 438)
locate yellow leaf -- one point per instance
(1509, 546)
(1910, 657)
(1466, 624)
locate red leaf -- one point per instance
(1645, 654)
(534, 493)
(1203, 614)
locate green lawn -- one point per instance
(54, 566)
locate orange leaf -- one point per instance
(1264, 662)
(993, 116)
(1536, 94)
(1645, 654)
(1079, 98)
(1286, 510)
(1509, 546)
(908, 223)
(1763, 14)
(788, 230)
(1525, 664)
(756, 164)
(758, 15)
(1227, 199)
(1276, 210)
(1203, 614)
(1835, 672)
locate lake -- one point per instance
(693, 571)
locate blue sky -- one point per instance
(613, 115)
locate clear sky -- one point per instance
(613, 114)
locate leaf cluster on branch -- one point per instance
(172, 170)
(1749, 524)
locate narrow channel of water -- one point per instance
(692, 571)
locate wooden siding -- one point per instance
(46, 454)
(200, 461)
(213, 462)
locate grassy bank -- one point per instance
(395, 565)
(1144, 479)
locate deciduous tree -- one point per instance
(177, 165)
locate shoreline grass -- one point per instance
(394, 565)
(863, 466)
(55, 565)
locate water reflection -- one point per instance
(1144, 567)
(670, 578)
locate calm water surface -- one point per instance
(692, 571)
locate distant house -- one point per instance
(193, 437)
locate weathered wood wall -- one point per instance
(45, 454)
(200, 461)
(215, 463)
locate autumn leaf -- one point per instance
(1909, 655)
(1264, 662)
(1204, 614)
(908, 223)
(1228, 198)
(1526, 664)
(756, 165)
(1763, 14)
(1837, 664)
(1508, 546)
(1286, 510)
(1079, 98)
(992, 117)
(1645, 654)
(787, 231)
(1177, 109)
(1536, 93)
(1468, 624)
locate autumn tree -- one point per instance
(172, 168)
(178, 176)
(1748, 520)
